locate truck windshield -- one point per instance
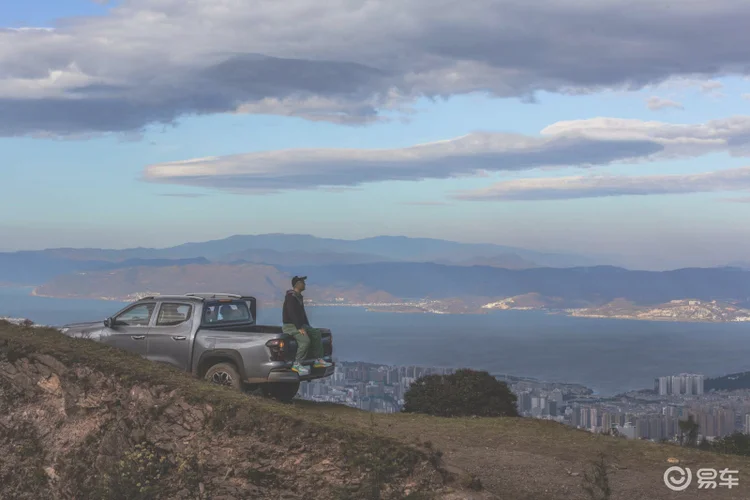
(225, 312)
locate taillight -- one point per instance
(276, 347)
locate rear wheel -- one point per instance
(224, 374)
(283, 391)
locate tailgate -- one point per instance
(326, 338)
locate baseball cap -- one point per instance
(297, 279)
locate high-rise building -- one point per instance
(552, 408)
(575, 416)
(594, 416)
(524, 401)
(684, 383)
(557, 396)
(725, 422)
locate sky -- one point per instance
(618, 128)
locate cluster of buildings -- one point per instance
(370, 387)
(683, 384)
(651, 414)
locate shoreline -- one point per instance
(420, 308)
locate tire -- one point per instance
(224, 374)
(283, 391)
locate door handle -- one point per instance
(178, 337)
(137, 337)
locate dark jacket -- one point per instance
(294, 310)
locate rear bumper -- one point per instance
(285, 374)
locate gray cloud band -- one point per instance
(580, 143)
(152, 61)
(562, 188)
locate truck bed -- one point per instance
(270, 329)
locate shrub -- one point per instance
(463, 393)
(596, 480)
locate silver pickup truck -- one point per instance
(211, 335)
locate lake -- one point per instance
(610, 356)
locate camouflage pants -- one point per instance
(309, 346)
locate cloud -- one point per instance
(297, 169)
(581, 143)
(741, 199)
(184, 195)
(746, 96)
(153, 61)
(676, 140)
(562, 188)
(711, 86)
(426, 203)
(656, 103)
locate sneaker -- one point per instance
(321, 363)
(301, 370)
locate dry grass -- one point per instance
(518, 458)
(514, 458)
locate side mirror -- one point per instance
(108, 322)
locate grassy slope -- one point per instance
(535, 459)
(384, 459)
(514, 458)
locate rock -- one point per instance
(51, 362)
(51, 473)
(50, 385)
(7, 369)
(43, 370)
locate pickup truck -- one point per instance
(211, 335)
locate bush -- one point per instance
(463, 393)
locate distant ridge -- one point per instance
(390, 247)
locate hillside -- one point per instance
(75, 412)
(266, 283)
(595, 285)
(81, 420)
(392, 282)
(731, 382)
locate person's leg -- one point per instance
(316, 348)
(316, 342)
(303, 346)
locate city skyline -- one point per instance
(639, 414)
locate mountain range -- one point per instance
(379, 269)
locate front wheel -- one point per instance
(283, 391)
(224, 374)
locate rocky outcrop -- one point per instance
(80, 420)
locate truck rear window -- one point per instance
(219, 313)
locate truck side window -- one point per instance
(138, 315)
(229, 312)
(171, 314)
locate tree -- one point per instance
(689, 432)
(463, 393)
(704, 444)
(734, 444)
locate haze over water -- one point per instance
(610, 356)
